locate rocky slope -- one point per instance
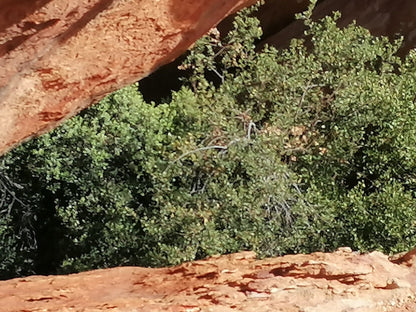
(338, 282)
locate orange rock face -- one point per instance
(342, 281)
(57, 57)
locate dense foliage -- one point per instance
(309, 148)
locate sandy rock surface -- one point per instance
(58, 57)
(338, 282)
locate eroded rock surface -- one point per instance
(341, 281)
(57, 57)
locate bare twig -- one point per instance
(220, 147)
(9, 199)
(251, 127)
(4, 186)
(219, 75)
(302, 99)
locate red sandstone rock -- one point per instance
(319, 282)
(58, 57)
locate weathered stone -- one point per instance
(57, 57)
(342, 281)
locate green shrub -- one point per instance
(16, 229)
(299, 150)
